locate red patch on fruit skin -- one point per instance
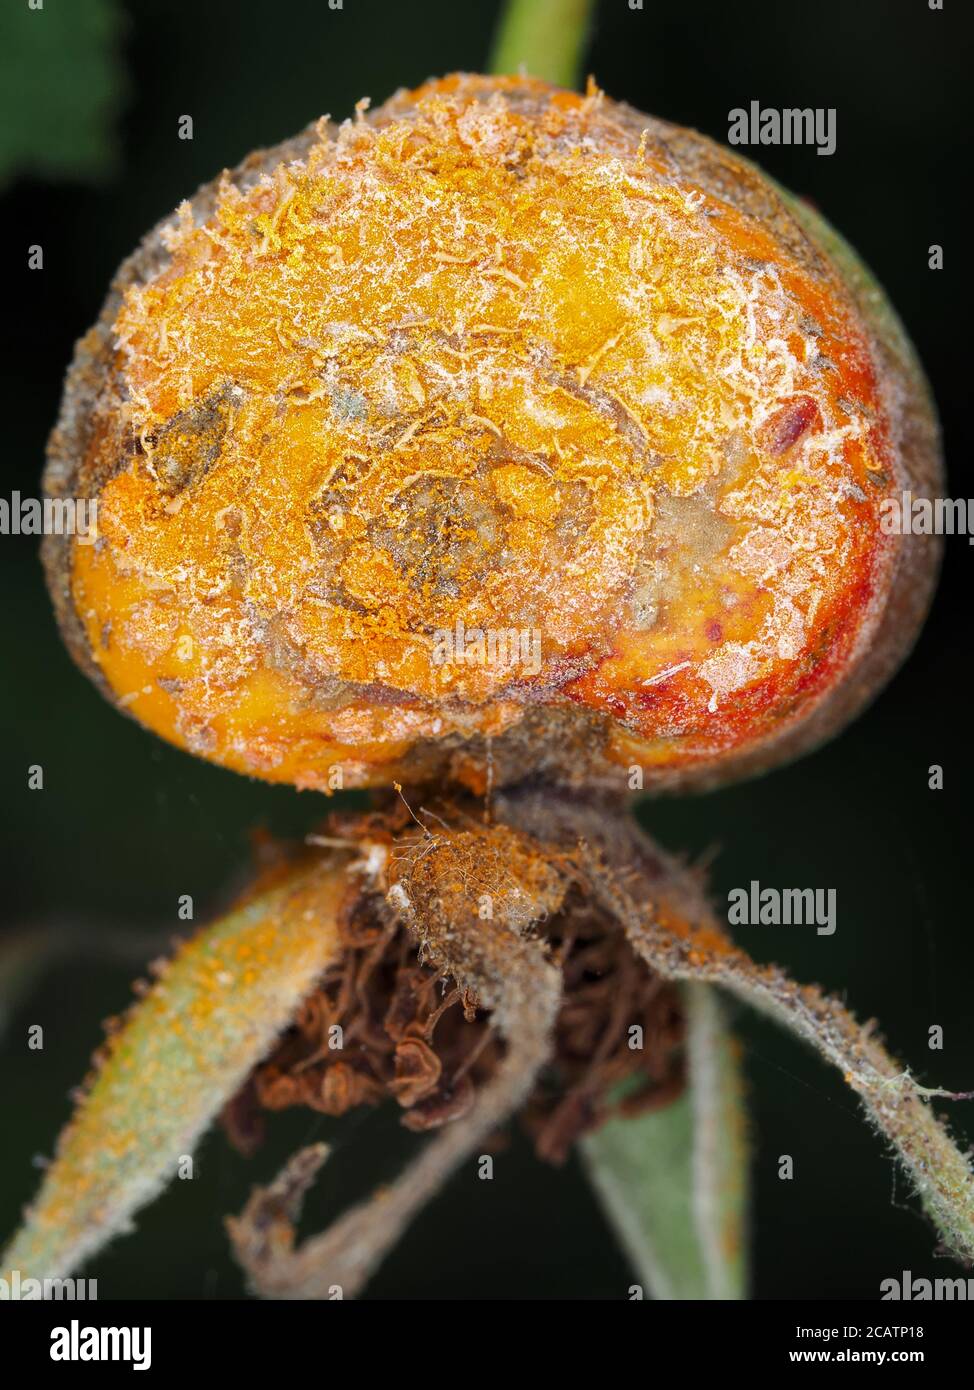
(714, 630)
(682, 699)
(787, 425)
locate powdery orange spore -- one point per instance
(470, 366)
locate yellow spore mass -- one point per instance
(492, 402)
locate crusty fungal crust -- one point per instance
(70, 439)
(584, 720)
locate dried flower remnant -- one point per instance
(508, 358)
(572, 885)
(605, 870)
(408, 1032)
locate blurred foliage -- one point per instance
(675, 1182)
(61, 73)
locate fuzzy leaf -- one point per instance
(674, 1183)
(181, 1052)
(675, 932)
(664, 911)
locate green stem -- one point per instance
(547, 38)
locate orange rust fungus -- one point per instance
(496, 361)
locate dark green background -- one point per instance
(125, 824)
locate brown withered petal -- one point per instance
(342, 1088)
(410, 1033)
(442, 1107)
(418, 1069)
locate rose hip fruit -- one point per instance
(502, 427)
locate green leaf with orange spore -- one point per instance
(182, 1051)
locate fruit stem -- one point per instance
(547, 38)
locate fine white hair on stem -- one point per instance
(665, 913)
